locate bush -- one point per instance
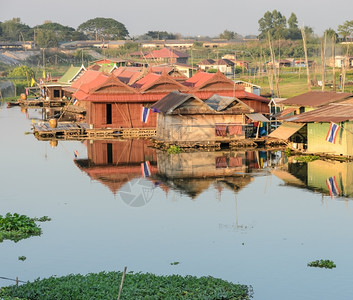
(105, 285)
(174, 149)
(22, 72)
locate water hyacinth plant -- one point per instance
(322, 263)
(16, 227)
(105, 285)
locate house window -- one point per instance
(110, 153)
(302, 109)
(56, 93)
(109, 113)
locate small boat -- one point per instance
(15, 103)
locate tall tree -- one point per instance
(274, 23)
(346, 29)
(293, 31)
(61, 32)
(14, 30)
(331, 34)
(229, 35)
(46, 38)
(104, 28)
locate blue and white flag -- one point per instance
(145, 113)
(146, 169)
(333, 186)
(332, 132)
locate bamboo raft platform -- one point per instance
(42, 103)
(79, 131)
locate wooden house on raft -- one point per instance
(203, 85)
(184, 119)
(325, 130)
(110, 103)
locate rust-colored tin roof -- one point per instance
(334, 112)
(316, 98)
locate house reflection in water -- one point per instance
(332, 178)
(194, 172)
(115, 163)
(129, 168)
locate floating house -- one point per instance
(325, 130)
(186, 119)
(111, 103)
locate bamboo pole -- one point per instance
(322, 65)
(306, 59)
(273, 64)
(345, 65)
(334, 64)
(122, 283)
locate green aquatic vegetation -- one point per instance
(174, 149)
(175, 263)
(105, 285)
(16, 227)
(307, 158)
(322, 263)
(23, 258)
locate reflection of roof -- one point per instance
(193, 187)
(316, 98)
(112, 176)
(287, 177)
(334, 112)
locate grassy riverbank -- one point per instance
(105, 285)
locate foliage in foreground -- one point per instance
(105, 285)
(322, 263)
(16, 227)
(174, 149)
(307, 158)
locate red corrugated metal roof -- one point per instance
(89, 80)
(316, 98)
(148, 98)
(242, 95)
(198, 79)
(147, 80)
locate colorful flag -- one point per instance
(76, 153)
(75, 102)
(43, 74)
(332, 132)
(33, 82)
(145, 113)
(332, 186)
(146, 169)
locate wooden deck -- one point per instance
(43, 103)
(77, 131)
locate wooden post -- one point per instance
(273, 64)
(322, 65)
(122, 283)
(334, 64)
(306, 59)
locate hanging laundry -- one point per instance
(221, 130)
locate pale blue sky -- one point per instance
(188, 17)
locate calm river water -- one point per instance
(247, 217)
